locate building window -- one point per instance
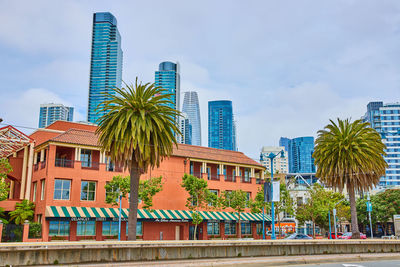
(208, 173)
(34, 191)
(42, 188)
(61, 189)
(259, 228)
(215, 192)
(39, 218)
(85, 228)
(246, 228)
(230, 228)
(59, 228)
(246, 174)
(86, 158)
(88, 190)
(248, 198)
(139, 228)
(213, 228)
(110, 228)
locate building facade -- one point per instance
(300, 152)
(68, 174)
(281, 164)
(192, 109)
(186, 130)
(385, 119)
(105, 62)
(220, 125)
(168, 78)
(50, 113)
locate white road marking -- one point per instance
(352, 265)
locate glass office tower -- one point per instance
(192, 109)
(105, 63)
(50, 113)
(168, 78)
(300, 152)
(220, 125)
(385, 119)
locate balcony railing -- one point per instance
(42, 164)
(230, 178)
(90, 165)
(112, 168)
(197, 174)
(213, 177)
(65, 163)
(246, 179)
(36, 167)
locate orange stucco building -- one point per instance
(64, 173)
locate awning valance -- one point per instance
(112, 213)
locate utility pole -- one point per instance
(369, 209)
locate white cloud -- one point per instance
(23, 110)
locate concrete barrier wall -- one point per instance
(80, 252)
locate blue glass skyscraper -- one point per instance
(192, 109)
(167, 77)
(220, 125)
(385, 119)
(105, 63)
(300, 152)
(50, 113)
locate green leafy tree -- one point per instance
(237, 200)
(5, 169)
(384, 206)
(318, 205)
(284, 205)
(23, 211)
(199, 197)
(2, 216)
(350, 154)
(138, 130)
(147, 189)
(258, 203)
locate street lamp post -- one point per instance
(334, 217)
(271, 156)
(369, 209)
(119, 216)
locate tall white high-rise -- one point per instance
(192, 110)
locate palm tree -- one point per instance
(138, 131)
(350, 154)
(23, 211)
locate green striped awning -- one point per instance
(110, 213)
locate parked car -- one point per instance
(298, 236)
(338, 235)
(348, 235)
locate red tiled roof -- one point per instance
(89, 138)
(208, 153)
(79, 137)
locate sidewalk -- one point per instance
(259, 261)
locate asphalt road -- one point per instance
(383, 263)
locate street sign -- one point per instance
(369, 207)
(276, 191)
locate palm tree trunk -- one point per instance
(133, 200)
(354, 223)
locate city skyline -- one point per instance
(105, 63)
(191, 107)
(50, 63)
(52, 112)
(385, 118)
(221, 130)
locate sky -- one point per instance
(288, 66)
